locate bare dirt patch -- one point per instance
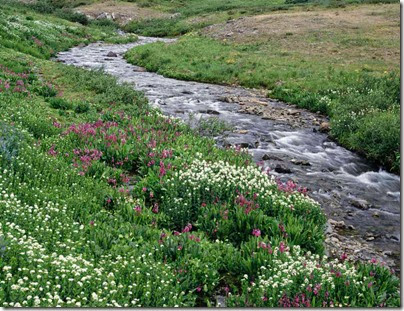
(121, 12)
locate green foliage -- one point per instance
(82, 107)
(72, 16)
(209, 127)
(60, 103)
(44, 35)
(159, 27)
(115, 205)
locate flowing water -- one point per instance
(366, 198)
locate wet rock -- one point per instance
(337, 224)
(350, 213)
(282, 169)
(112, 54)
(187, 92)
(267, 157)
(392, 237)
(249, 145)
(242, 131)
(227, 99)
(211, 111)
(300, 162)
(335, 240)
(139, 69)
(361, 204)
(293, 112)
(324, 127)
(371, 236)
(376, 215)
(256, 101)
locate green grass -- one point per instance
(332, 70)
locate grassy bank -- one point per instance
(105, 202)
(344, 64)
(25, 30)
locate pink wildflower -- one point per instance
(282, 247)
(256, 232)
(187, 228)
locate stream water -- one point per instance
(366, 198)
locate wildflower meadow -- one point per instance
(105, 202)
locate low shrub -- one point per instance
(82, 107)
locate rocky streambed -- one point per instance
(362, 202)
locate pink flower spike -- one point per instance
(256, 232)
(187, 228)
(282, 247)
(344, 257)
(155, 209)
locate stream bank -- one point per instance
(361, 201)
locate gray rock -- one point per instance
(139, 69)
(300, 162)
(282, 169)
(324, 127)
(361, 204)
(104, 15)
(112, 54)
(337, 224)
(211, 111)
(293, 112)
(267, 157)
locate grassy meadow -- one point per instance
(105, 202)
